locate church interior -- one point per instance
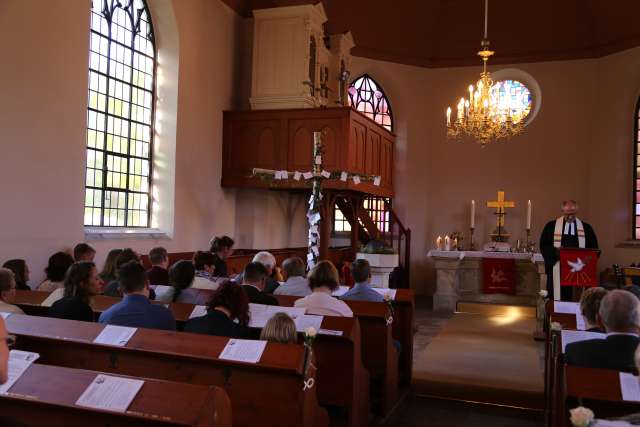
(353, 213)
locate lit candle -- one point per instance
(473, 214)
(448, 116)
(471, 94)
(460, 109)
(439, 243)
(447, 243)
(466, 107)
(529, 215)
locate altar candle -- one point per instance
(473, 214)
(448, 116)
(529, 215)
(439, 243)
(447, 243)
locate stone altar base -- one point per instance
(459, 278)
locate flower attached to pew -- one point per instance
(544, 294)
(389, 301)
(310, 336)
(582, 417)
(556, 326)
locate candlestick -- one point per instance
(473, 214)
(472, 246)
(529, 215)
(439, 243)
(447, 243)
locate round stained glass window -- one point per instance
(512, 98)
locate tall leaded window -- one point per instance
(367, 96)
(636, 173)
(375, 207)
(122, 64)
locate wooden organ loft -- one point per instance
(308, 94)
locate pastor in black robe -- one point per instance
(551, 256)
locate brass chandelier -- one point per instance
(485, 116)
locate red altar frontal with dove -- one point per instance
(578, 267)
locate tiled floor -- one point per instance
(425, 412)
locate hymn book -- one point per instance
(629, 387)
(53, 297)
(19, 362)
(198, 311)
(110, 393)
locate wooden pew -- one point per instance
(269, 393)
(46, 395)
(597, 389)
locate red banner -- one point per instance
(499, 276)
(578, 267)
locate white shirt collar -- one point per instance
(622, 333)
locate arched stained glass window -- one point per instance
(512, 97)
(122, 65)
(367, 96)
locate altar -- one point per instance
(459, 278)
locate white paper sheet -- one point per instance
(161, 291)
(566, 307)
(19, 362)
(356, 179)
(53, 297)
(318, 160)
(609, 423)
(297, 175)
(325, 174)
(569, 337)
(340, 291)
(110, 393)
(344, 176)
(306, 321)
(630, 387)
(386, 291)
(260, 313)
(376, 181)
(249, 351)
(307, 175)
(115, 335)
(329, 332)
(198, 311)
(4, 314)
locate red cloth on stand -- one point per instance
(499, 275)
(578, 267)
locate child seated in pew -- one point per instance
(323, 280)
(280, 328)
(81, 284)
(228, 305)
(20, 271)
(589, 306)
(135, 309)
(8, 292)
(57, 267)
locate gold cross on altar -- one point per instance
(500, 205)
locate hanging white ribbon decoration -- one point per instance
(389, 320)
(308, 384)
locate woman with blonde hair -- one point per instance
(280, 328)
(323, 280)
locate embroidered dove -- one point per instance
(497, 277)
(576, 266)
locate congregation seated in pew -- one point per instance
(8, 292)
(109, 269)
(205, 266)
(158, 274)
(83, 252)
(274, 277)
(20, 272)
(181, 278)
(114, 289)
(135, 309)
(619, 315)
(228, 305)
(589, 306)
(221, 248)
(361, 290)
(323, 280)
(296, 284)
(57, 267)
(280, 328)
(254, 282)
(81, 284)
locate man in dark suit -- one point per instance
(619, 315)
(253, 282)
(158, 274)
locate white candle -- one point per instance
(448, 116)
(529, 215)
(439, 243)
(447, 243)
(473, 214)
